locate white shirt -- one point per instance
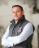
(27, 31)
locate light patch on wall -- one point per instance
(29, 2)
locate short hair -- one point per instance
(18, 6)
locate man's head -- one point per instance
(17, 12)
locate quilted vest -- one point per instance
(15, 31)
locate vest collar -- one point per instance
(19, 21)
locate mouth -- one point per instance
(16, 16)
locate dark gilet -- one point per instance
(15, 31)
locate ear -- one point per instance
(23, 12)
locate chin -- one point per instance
(16, 19)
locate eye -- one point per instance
(13, 12)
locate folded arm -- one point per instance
(27, 31)
(10, 41)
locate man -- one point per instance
(19, 33)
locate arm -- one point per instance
(27, 31)
(4, 40)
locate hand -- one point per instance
(14, 44)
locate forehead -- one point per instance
(16, 8)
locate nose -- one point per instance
(15, 13)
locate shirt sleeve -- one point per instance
(27, 31)
(4, 40)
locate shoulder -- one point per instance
(28, 25)
(8, 27)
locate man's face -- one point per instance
(17, 13)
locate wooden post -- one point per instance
(38, 34)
